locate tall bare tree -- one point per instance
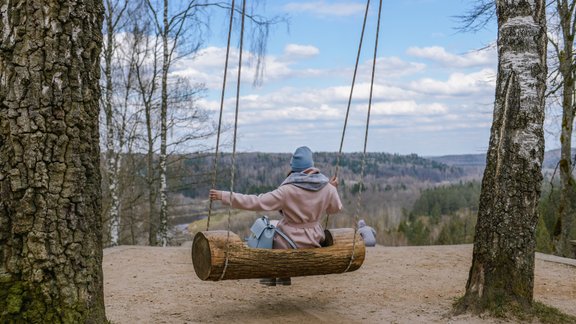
(121, 107)
(171, 28)
(502, 271)
(114, 14)
(563, 83)
(165, 119)
(146, 73)
(179, 29)
(50, 229)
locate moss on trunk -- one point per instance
(50, 228)
(502, 271)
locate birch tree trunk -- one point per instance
(50, 227)
(502, 271)
(151, 178)
(171, 29)
(166, 61)
(113, 14)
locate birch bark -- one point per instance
(502, 270)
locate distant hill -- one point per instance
(464, 160)
(552, 157)
(390, 187)
(259, 172)
(468, 161)
(471, 164)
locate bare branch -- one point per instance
(476, 19)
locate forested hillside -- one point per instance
(406, 198)
(390, 186)
(447, 214)
(469, 162)
(260, 172)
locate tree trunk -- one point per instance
(111, 155)
(151, 180)
(146, 77)
(565, 220)
(163, 231)
(50, 228)
(502, 271)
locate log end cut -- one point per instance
(201, 257)
(209, 250)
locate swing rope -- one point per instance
(363, 164)
(233, 162)
(351, 90)
(338, 158)
(216, 154)
(233, 171)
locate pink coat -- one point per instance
(301, 208)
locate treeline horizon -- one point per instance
(391, 188)
(391, 178)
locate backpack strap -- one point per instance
(290, 242)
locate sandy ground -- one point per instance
(394, 285)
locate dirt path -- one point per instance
(395, 285)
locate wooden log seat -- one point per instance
(209, 257)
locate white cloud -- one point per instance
(458, 84)
(254, 113)
(321, 8)
(300, 51)
(315, 116)
(408, 107)
(387, 69)
(438, 54)
(208, 67)
(337, 95)
(291, 112)
(362, 92)
(396, 67)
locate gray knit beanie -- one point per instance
(301, 159)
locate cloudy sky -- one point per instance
(433, 91)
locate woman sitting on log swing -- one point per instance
(302, 198)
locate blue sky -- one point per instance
(433, 94)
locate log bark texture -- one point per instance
(50, 227)
(209, 257)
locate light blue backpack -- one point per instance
(262, 234)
